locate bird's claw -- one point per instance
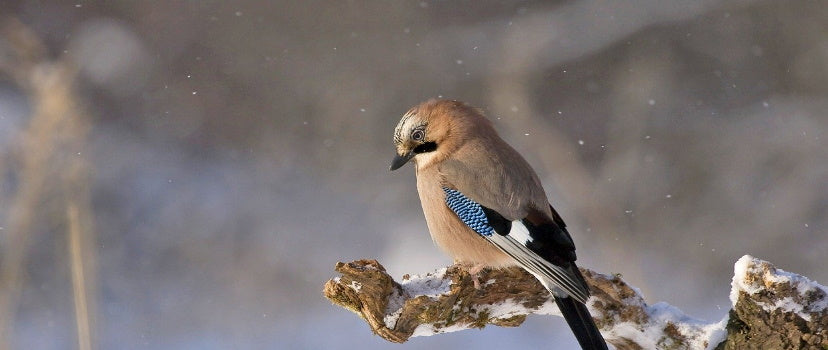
(474, 271)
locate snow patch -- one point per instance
(744, 280)
(394, 309)
(787, 304)
(714, 333)
(550, 308)
(356, 286)
(432, 285)
(745, 266)
(503, 310)
(425, 330)
(509, 308)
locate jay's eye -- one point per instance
(417, 135)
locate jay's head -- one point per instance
(431, 131)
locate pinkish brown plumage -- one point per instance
(467, 178)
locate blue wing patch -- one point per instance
(470, 212)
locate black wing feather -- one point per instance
(550, 238)
(500, 224)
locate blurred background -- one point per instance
(185, 174)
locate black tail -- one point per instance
(580, 321)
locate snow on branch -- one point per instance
(775, 309)
(772, 308)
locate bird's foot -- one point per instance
(474, 271)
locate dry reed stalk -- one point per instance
(51, 174)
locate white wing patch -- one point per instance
(520, 233)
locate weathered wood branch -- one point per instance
(772, 307)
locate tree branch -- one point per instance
(772, 307)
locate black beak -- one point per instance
(400, 160)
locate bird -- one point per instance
(485, 206)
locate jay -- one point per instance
(485, 206)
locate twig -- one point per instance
(78, 279)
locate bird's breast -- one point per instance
(448, 231)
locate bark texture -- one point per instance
(773, 310)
